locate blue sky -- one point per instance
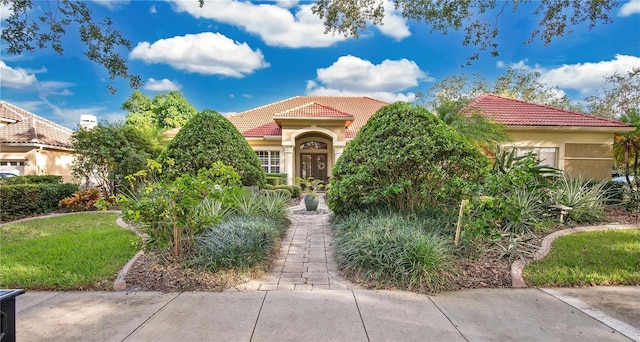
(231, 56)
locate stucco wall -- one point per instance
(41, 161)
(585, 152)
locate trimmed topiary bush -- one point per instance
(407, 159)
(283, 192)
(207, 138)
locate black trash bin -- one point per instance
(8, 314)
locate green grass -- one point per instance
(77, 251)
(593, 258)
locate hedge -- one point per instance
(23, 200)
(31, 179)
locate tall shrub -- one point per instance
(208, 138)
(407, 159)
(108, 153)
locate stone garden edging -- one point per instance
(517, 266)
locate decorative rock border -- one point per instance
(120, 284)
(517, 266)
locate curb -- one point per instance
(517, 266)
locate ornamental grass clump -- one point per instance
(272, 205)
(392, 251)
(241, 242)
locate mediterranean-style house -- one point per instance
(304, 136)
(32, 145)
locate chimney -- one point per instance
(88, 121)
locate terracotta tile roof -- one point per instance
(512, 112)
(313, 110)
(267, 130)
(31, 129)
(361, 108)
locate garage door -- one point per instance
(13, 166)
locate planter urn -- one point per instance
(311, 202)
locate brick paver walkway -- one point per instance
(307, 258)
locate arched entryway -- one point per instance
(314, 157)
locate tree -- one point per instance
(152, 117)
(208, 138)
(407, 159)
(163, 112)
(620, 96)
(25, 32)
(517, 84)
(109, 152)
(477, 18)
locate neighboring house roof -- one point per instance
(27, 128)
(511, 112)
(259, 122)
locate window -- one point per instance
(270, 161)
(546, 155)
(313, 145)
(11, 163)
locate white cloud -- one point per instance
(315, 90)
(153, 9)
(5, 12)
(393, 24)
(275, 25)
(112, 4)
(247, 96)
(630, 8)
(55, 88)
(287, 3)
(351, 75)
(587, 78)
(161, 85)
(15, 77)
(205, 53)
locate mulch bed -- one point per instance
(483, 269)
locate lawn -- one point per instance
(593, 258)
(80, 251)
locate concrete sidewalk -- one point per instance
(305, 298)
(317, 315)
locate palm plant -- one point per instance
(626, 147)
(479, 130)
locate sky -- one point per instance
(231, 56)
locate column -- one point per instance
(288, 164)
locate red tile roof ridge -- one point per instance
(585, 115)
(311, 103)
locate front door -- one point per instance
(313, 165)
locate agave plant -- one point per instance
(524, 211)
(587, 199)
